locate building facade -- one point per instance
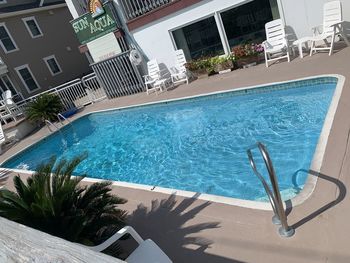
(38, 47)
(208, 27)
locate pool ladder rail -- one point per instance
(60, 118)
(280, 217)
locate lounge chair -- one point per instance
(5, 113)
(332, 20)
(153, 80)
(147, 251)
(179, 72)
(10, 104)
(2, 138)
(276, 44)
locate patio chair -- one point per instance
(179, 72)
(2, 138)
(332, 20)
(5, 113)
(10, 104)
(156, 79)
(147, 251)
(276, 44)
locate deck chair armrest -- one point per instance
(147, 78)
(122, 232)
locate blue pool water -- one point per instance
(198, 144)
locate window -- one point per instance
(246, 23)
(53, 65)
(32, 26)
(199, 39)
(6, 40)
(3, 2)
(27, 78)
(6, 84)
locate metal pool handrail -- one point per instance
(274, 195)
(48, 123)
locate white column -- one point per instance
(72, 9)
(222, 33)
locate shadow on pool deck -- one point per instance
(165, 223)
(341, 193)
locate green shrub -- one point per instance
(45, 107)
(54, 202)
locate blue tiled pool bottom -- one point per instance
(198, 144)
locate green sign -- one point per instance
(88, 28)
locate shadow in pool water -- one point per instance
(340, 196)
(166, 222)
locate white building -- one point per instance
(206, 27)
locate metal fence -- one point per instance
(118, 76)
(136, 8)
(73, 94)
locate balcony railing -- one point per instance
(135, 8)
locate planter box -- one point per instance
(227, 65)
(200, 73)
(247, 61)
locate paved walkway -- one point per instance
(191, 230)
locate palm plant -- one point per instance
(45, 107)
(53, 201)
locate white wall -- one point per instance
(154, 38)
(302, 15)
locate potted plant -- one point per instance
(247, 54)
(223, 64)
(198, 67)
(45, 107)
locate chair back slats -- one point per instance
(275, 34)
(2, 135)
(153, 69)
(332, 13)
(180, 60)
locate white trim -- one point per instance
(48, 65)
(13, 41)
(32, 18)
(31, 73)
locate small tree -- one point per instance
(55, 202)
(45, 107)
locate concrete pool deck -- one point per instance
(192, 230)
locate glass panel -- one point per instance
(199, 39)
(28, 79)
(9, 85)
(246, 23)
(33, 27)
(6, 40)
(53, 65)
(2, 88)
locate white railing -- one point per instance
(73, 94)
(136, 8)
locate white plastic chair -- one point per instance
(153, 76)
(2, 138)
(147, 251)
(332, 19)
(276, 44)
(5, 113)
(10, 104)
(179, 72)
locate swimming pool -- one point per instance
(198, 144)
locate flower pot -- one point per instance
(247, 61)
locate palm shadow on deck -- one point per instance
(165, 221)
